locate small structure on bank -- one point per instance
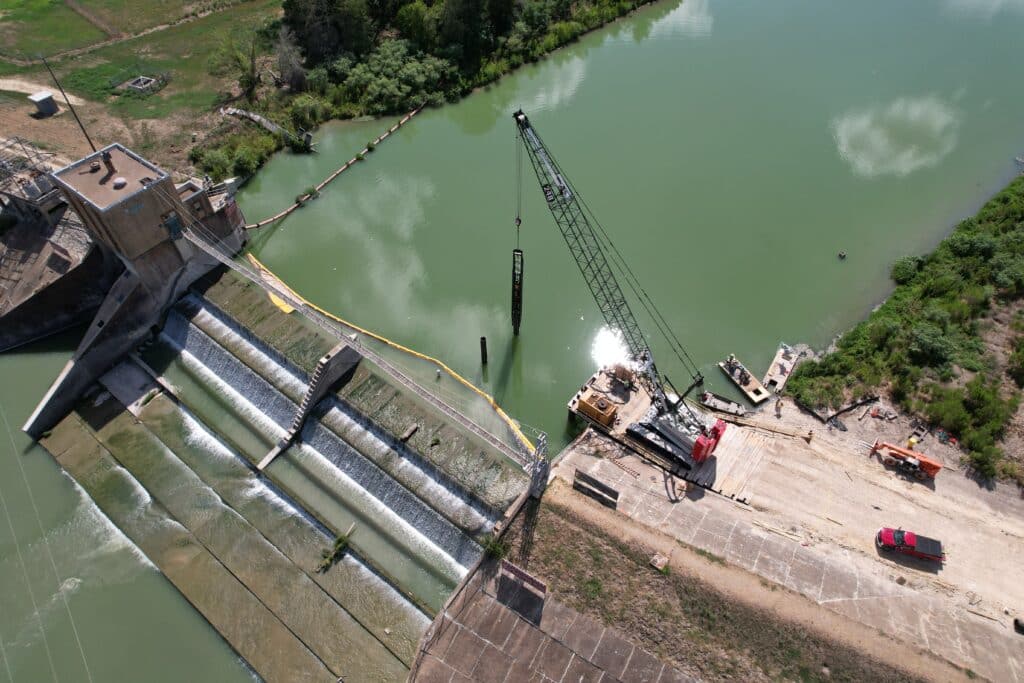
(141, 84)
(45, 105)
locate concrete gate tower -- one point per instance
(134, 209)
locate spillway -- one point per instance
(168, 448)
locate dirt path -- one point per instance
(27, 87)
(92, 18)
(749, 589)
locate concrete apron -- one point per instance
(283, 622)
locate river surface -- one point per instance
(731, 149)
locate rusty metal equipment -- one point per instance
(918, 465)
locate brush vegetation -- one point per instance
(330, 556)
(926, 345)
(341, 59)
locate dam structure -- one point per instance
(316, 505)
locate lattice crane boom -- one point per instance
(586, 249)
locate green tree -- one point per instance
(416, 25)
(560, 10)
(1015, 367)
(312, 22)
(904, 270)
(501, 14)
(462, 30)
(383, 11)
(235, 56)
(355, 26)
(392, 80)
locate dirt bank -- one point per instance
(711, 619)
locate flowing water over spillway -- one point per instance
(731, 148)
(398, 532)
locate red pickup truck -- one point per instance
(909, 543)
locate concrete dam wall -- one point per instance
(167, 445)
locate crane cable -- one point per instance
(645, 299)
(632, 281)
(519, 185)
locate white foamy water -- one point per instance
(51, 611)
(269, 367)
(99, 537)
(249, 411)
(409, 473)
(199, 437)
(252, 487)
(87, 545)
(397, 529)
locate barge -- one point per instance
(781, 368)
(722, 404)
(741, 377)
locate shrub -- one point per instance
(392, 80)
(317, 80)
(904, 270)
(1015, 366)
(216, 164)
(339, 69)
(928, 345)
(330, 556)
(308, 110)
(929, 328)
(494, 547)
(246, 162)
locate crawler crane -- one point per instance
(635, 404)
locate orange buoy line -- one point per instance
(348, 164)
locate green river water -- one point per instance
(730, 148)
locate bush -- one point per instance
(929, 329)
(1015, 366)
(317, 81)
(904, 270)
(307, 111)
(239, 154)
(392, 80)
(246, 162)
(494, 547)
(216, 164)
(929, 346)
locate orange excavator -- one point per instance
(919, 465)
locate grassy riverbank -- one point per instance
(356, 58)
(948, 344)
